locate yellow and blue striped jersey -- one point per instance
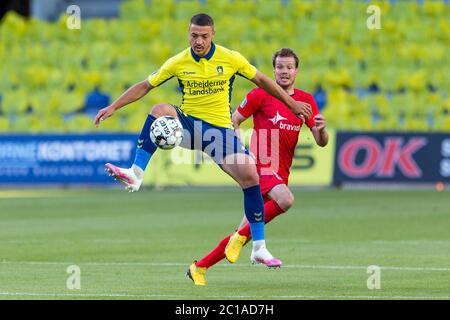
(206, 83)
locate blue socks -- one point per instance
(145, 146)
(254, 211)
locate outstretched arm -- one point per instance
(300, 109)
(134, 93)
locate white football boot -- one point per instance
(131, 177)
(262, 255)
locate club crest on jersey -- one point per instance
(219, 70)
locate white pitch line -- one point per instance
(362, 297)
(124, 295)
(131, 264)
(302, 266)
(107, 295)
(178, 264)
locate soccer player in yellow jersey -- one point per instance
(205, 73)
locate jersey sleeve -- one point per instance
(250, 104)
(242, 66)
(310, 122)
(166, 72)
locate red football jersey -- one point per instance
(276, 129)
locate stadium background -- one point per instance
(391, 80)
(384, 93)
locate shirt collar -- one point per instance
(208, 56)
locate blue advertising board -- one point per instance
(392, 157)
(62, 158)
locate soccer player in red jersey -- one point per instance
(275, 136)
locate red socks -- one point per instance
(271, 210)
(217, 254)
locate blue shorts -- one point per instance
(216, 142)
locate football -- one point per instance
(166, 132)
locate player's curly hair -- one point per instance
(285, 52)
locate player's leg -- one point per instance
(132, 177)
(224, 147)
(279, 200)
(273, 190)
(241, 167)
(145, 147)
(232, 244)
(218, 253)
(197, 270)
(283, 196)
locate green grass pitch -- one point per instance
(138, 246)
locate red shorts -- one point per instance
(267, 182)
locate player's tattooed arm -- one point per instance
(300, 109)
(134, 93)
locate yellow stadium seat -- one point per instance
(112, 124)
(15, 101)
(55, 73)
(25, 123)
(39, 101)
(447, 123)
(4, 124)
(362, 121)
(185, 9)
(80, 123)
(402, 102)
(70, 101)
(434, 8)
(52, 122)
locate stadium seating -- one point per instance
(395, 78)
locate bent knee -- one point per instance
(163, 109)
(249, 179)
(286, 202)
